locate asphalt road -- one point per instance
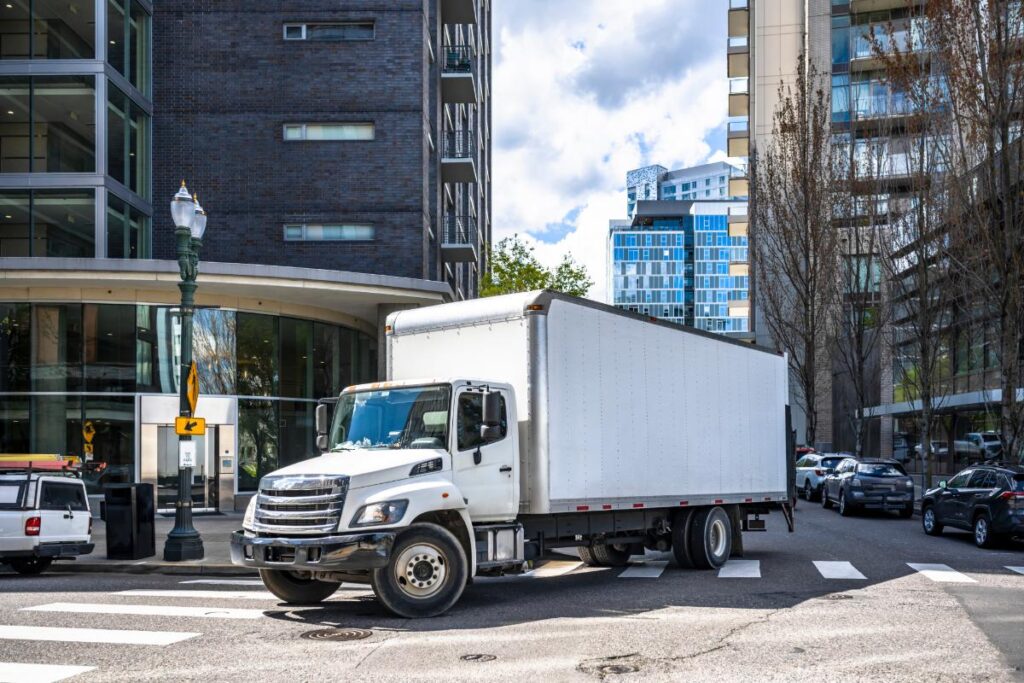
(778, 618)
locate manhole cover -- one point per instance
(337, 634)
(614, 669)
(478, 658)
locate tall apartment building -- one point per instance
(706, 182)
(683, 261)
(343, 156)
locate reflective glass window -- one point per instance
(57, 424)
(113, 419)
(15, 124)
(128, 31)
(15, 340)
(57, 347)
(157, 349)
(257, 355)
(257, 441)
(128, 234)
(63, 223)
(127, 134)
(327, 377)
(213, 349)
(109, 338)
(15, 223)
(47, 29)
(297, 432)
(14, 422)
(63, 124)
(296, 358)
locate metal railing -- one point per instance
(459, 230)
(459, 143)
(458, 59)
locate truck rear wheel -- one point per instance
(610, 555)
(30, 566)
(710, 538)
(295, 589)
(681, 538)
(587, 555)
(426, 575)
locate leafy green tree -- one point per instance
(513, 267)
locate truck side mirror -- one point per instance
(321, 427)
(490, 429)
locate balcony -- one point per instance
(458, 11)
(458, 163)
(739, 22)
(459, 239)
(458, 83)
(738, 65)
(739, 104)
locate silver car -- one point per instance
(811, 471)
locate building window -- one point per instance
(47, 223)
(49, 124)
(39, 29)
(340, 32)
(127, 134)
(328, 233)
(128, 41)
(328, 131)
(127, 230)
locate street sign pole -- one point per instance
(184, 542)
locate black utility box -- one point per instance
(130, 517)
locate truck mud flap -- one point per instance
(787, 512)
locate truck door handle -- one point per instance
(505, 468)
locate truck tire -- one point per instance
(30, 566)
(610, 555)
(710, 538)
(587, 555)
(296, 590)
(426, 575)
(681, 539)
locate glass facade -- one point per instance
(681, 269)
(65, 364)
(71, 121)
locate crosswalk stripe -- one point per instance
(192, 593)
(740, 569)
(149, 610)
(555, 568)
(39, 673)
(838, 570)
(1019, 570)
(646, 570)
(226, 582)
(93, 635)
(941, 573)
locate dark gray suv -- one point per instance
(869, 484)
(985, 499)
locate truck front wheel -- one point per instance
(710, 538)
(426, 574)
(296, 590)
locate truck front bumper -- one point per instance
(354, 552)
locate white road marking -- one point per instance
(38, 673)
(555, 568)
(226, 582)
(740, 569)
(93, 635)
(940, 572)
(646, 570)
(1019, 570)
(838, 570)
(188, 593)
(149, 610)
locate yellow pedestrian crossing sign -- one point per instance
(88, 431)
(192, 388)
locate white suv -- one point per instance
(811, 470)
(43, 517)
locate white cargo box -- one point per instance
(615, 411)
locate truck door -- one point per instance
(64, 512)
(484, 472)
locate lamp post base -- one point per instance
(183, 546)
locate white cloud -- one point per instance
(583, 91)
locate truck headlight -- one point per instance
(387, 512)
(250, 514)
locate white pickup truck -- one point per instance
(44, 513)
(515, 425)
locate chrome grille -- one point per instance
(300, 504)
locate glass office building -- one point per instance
(680, 261)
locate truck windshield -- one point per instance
(414, 417)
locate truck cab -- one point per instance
(44, 514)
(442, 454)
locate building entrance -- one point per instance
(205, 479)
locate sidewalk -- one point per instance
(215, 530)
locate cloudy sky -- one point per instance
(585, 90)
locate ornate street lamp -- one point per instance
(183, 541)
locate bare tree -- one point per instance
(794, 245)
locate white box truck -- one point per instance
(514, 425)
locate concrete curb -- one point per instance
(151, 568)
